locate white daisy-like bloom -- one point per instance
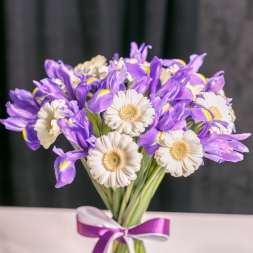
(115, 160)
(129, 113)
(230, 109)
(46, 126)
(180, 153)
(97, 66)
(218, 106)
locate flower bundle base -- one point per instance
(128, 204)
(91, 222)
(130, 122)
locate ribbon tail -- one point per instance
(104, 241)
(130, 244)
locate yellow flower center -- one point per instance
(128, 112)
(113, 160)
(179, 150)
(216, 112)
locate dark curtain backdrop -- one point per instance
(77, 30)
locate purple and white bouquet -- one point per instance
(129, 121)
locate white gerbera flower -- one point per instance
(180, 153)
(46, 126)
(218, 106)
(115, 160)
(97, 66)
(129, 113)
(230, 109)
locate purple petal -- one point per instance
(195, 79)
(100, 101)
(115, 57)
(232, 157)
(65, 171)
(141, 85)
(14, 123)
(12, 110)
(145, 53)
(30, 137)
(196, 62)
(233, 136)
(238, 146)
(201, 114)
(120, 78)
(215, 84)
(51, 68)
(82, 92)
(134, 48)
(184, 94)
(148, 141)
(170, 62)
(24, 99)
(137, 70)
(212, 157)
(63, 73)
(155, 72)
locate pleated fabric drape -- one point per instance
(77, 30)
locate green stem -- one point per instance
(100, 189)
(122, 248)
(135, 204)
(125, 201)
(117, 199)
(138, 186)
(146, 198)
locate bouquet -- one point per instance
(130, 122)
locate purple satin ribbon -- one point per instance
(158, 227)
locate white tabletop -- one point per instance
(45, 230)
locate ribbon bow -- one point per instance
(94, 223)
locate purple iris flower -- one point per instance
(60, 71)
(51, 68)
(136, 64)
(64, 73)
(140, 54)
(215, 83)
(64, 166)
(171, 118)
(174, 88)
(23, 116)
(145, 76)
(113, 83)
(78, 130)
(196, 62)
(224, 147)
(50, 89)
